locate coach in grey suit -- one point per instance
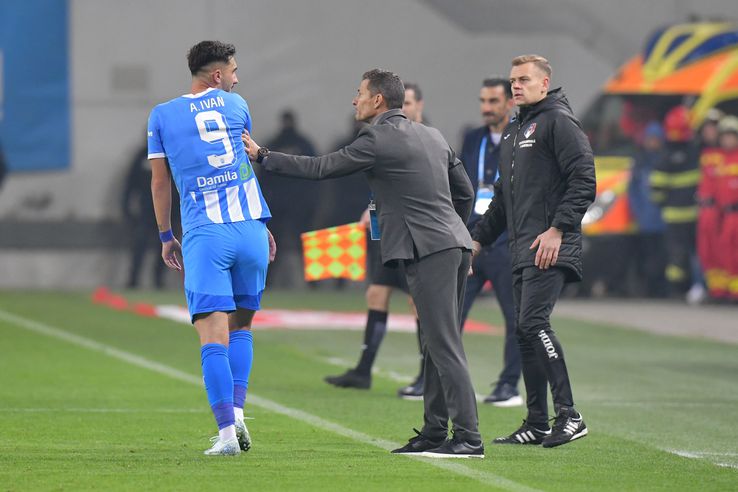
(423, 198)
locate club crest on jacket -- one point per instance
(529, 131)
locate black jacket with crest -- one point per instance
(547, 178)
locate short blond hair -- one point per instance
(536, 60)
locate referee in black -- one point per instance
(547, 182)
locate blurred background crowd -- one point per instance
(656, 89)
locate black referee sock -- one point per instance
(376, 327)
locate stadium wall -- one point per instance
(128, 56)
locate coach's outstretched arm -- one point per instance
(358, 156)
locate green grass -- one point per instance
(77, 419)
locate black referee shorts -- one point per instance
(383, 275)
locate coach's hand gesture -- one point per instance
(252, 148)
(548, 245)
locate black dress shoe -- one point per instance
(418, 444)
(350, 379)
(456, 448)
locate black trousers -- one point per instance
(536, 291)
(681, 245)
(493, 263)
(650, 259)
(437, 283)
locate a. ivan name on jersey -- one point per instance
(202, 104)
(206, 182)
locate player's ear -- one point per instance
(217, 76)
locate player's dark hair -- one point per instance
(206, 52)
(410, 86)
(499, 81)
(388, 84)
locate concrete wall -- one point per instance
(309, 55)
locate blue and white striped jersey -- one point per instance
(200, 136)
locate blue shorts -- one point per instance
(225, 266)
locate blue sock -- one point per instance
(218, 382)
(241, 356)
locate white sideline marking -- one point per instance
(704, 454)
(136, 360)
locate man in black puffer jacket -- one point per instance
(547, 182)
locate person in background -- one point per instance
(708, 132)
(674, 182)
(289, 136)
(709, 218)
(727, 198)
(292, 202)
(481, 155)
(413, 107)
(138, 212)
(650, 245)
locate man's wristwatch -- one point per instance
(261, 154)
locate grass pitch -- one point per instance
(93, 398)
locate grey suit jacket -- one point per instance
(422, 192)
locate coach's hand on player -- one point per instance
(272, 246)
(548, 244)
(171, 251)
(252, 148)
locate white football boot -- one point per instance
(244, 438)
(223, 448)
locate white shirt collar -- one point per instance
(193, 96)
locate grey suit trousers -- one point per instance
(437, 283)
